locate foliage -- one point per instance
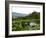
(19, 23)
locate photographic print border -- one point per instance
(7, 18)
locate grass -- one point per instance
(21, 26)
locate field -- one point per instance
(30, 22)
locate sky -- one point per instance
(25, 9)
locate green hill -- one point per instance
(34, 15)
(19, 23)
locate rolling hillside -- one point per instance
(25, 22)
